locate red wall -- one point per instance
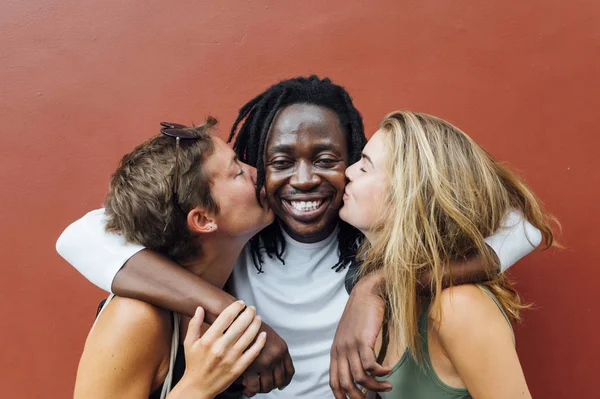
(82, 81)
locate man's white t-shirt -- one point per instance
(302, 300)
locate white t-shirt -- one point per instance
(302, 300)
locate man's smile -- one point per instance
(306, 208)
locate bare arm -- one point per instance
(128, 270)
(472, 270)
(514, 240)
(153, 278)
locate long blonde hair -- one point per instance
(446, 193)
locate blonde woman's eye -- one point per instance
(363, 170)
(241, 173)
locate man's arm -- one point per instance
(152, 278)
(95, 253)
(515, 239)
(100, 256)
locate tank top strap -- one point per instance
(497, 302)
(423, 318)
(101, 309)
(167, 384)
(423, 321)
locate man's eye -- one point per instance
(326, 162)
(241, 172)
(363, 170)
(281, 164)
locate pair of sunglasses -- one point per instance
(179, 132)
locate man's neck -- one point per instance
(217, 258)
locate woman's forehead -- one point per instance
(221, 160)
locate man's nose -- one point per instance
(304, 177)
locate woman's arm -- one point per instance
(124, 351)
(152, 278)
(479, 342)
(221, 355)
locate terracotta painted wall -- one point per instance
(81, 82)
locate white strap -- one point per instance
(106, 302)
(174, 346)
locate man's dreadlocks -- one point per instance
(257, 116)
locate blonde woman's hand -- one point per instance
(217, 358)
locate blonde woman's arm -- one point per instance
(479, 342)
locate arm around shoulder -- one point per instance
(97, 254)
(514, 240)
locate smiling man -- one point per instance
(306, 156)
(300, 134)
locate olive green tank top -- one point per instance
(414, 381)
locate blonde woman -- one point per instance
(425, 194)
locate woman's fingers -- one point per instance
(248, 336)
(224, 321)
(239, 327)
(252, 352)
(194, 329)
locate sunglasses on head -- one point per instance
(179, 132)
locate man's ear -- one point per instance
(201, 222)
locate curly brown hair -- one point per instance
(140, 204)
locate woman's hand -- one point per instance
(215, 359)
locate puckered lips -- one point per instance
(307, 207)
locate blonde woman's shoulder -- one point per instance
(466, 311)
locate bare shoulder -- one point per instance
(129, 311)
(467, 307)
(132, 323)
(126, 351)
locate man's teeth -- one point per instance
(306, 206)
